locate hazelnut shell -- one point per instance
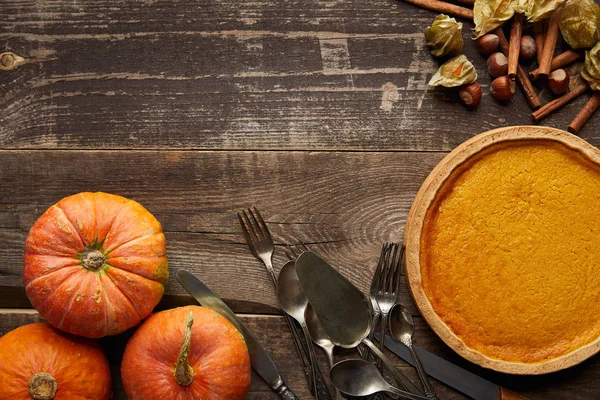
(488, 43)
(497, 64)
(528, 49)
(470, 94)
(503, 88)
(558, 81)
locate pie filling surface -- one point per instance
(510, 251)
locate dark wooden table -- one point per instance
(318, 112)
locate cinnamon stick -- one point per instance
(585, 113)
(514, 46)
(443, 7)
(560, 102)
(562, 60)
(538, 35)
(524, 82)
(550, 43)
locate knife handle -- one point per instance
(505, 394)
(286, 393)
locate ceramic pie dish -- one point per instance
(503, 250)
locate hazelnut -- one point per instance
(503, 88)
(497, 65)
(558, 81)
(528, 49)
(488, 43)
(470, 94)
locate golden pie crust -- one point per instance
(503, 250)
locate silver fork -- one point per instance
(262, 246)
(259, 240)
(386, 294)
(372, 298)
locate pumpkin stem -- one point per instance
(42, 386)
(93, 260)
(184, 373)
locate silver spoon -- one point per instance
(294, 302)
(321, 339)
(362, 378)
(402, 327)
(342, 309)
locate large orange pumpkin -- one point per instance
(38, 362)
(95, 264)
(186, 353)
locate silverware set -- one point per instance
(349, 320)
(324, 307)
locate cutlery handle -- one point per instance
(505, 394)
(429, 392)
(376, 314)
(316, 371)
(392, 368)
(298, 339)
(302, 350)
(287, 394)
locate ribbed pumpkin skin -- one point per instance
(95, 303)
(78, 365)
(218, 355)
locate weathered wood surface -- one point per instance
(276, 74)
(316, 111)
(343, 205)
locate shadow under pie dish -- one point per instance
(503, 250)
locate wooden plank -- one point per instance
(227, 74)
(343, 205)
(580, 382)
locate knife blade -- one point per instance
(452, 375)
(259, 359)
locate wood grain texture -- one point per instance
(579, 383)
(230, 74)
(342, 205)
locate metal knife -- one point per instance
(260, 360)
(452, 375)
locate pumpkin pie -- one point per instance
(503, 252)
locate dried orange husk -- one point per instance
(457, 71)
(444, 36)
(537, 10)
(579, 23)
(490, 14)
(591, 67)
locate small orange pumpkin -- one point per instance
(39, 362)
(95, 264)
(186, 353)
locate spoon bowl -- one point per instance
(342, 309)
(362, 378)
(401, 323)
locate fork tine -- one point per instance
(250, 228)
(391, 268)
(394, 269)
(262, 224)
(377, 274)
(384, 268)
(246, 234)
(399, 271)
(304, 246)
(257, 228)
